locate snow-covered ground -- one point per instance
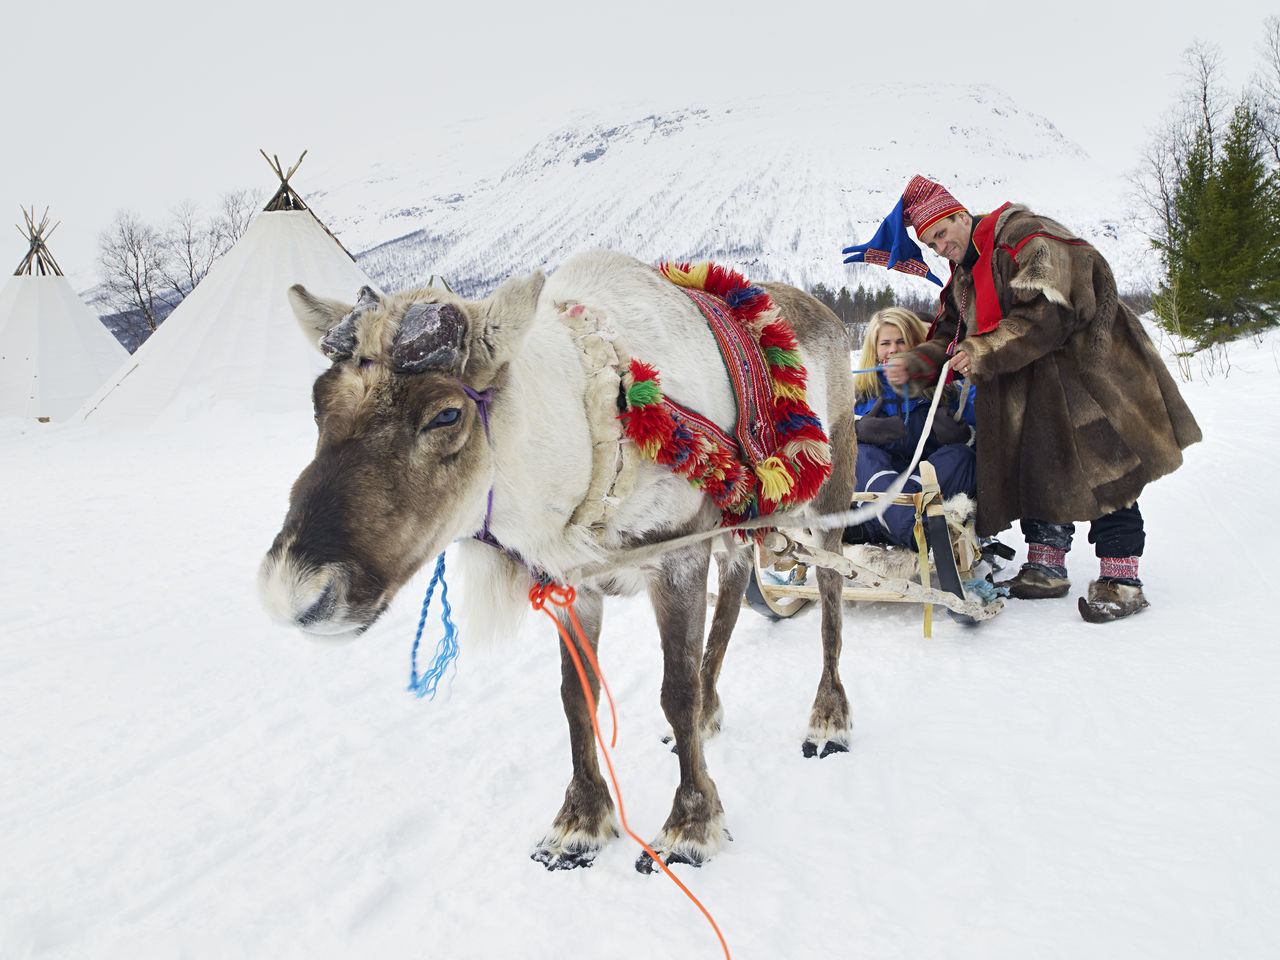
(181, 778)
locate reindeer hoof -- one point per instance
(646, 864)
(810, 748)
(693, 854)
(568, 860)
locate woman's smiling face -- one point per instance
(889, 340)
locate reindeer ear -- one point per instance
(334, 319)
(316, 316)
(432, 336)
(508, 314)
(519, 295)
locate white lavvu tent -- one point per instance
(234, 339)
(53, 351)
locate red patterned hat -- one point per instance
(924, 203)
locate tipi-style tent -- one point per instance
(234, 342)
(53, 351)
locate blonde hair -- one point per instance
(907, 322)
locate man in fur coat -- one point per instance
(1076, 412)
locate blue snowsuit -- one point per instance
(879, 466)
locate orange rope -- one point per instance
(569, 594)
(563, 597)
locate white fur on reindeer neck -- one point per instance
(614, 458)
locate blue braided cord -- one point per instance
(984, 590)
(879, 369)
(446, 649)
(736, 298)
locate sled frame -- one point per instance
(955, 555)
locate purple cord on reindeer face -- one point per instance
(482, 399)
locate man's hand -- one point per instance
(895, 370)
(961, 363)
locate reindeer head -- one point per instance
(403, 461)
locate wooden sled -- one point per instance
(782, 582)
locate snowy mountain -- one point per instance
(774, 186)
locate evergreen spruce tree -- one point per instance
(1222, 251)
(1238, 240)
(858, 305)
(1182, 248)
(844, 306)
(821, 292)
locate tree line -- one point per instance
(855, 309)
(1210, 178)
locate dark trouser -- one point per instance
(876, 470)
(1117, 534)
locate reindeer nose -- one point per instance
(302, 594)
(322, 609)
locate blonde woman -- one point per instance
(890, 425)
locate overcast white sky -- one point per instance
(142, 104)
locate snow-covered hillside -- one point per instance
(774, 186)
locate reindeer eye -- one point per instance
(445, 418)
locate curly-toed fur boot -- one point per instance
(1111, 598)
(1038, 581)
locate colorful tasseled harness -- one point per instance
(781, 455)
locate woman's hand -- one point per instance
(877, 428)
(947, 429)
(961, 363)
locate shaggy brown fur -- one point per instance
(1076, 410)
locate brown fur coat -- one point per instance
(1076, 412)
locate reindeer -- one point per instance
(443, 418)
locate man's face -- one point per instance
(949, 237)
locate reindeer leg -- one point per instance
(829, 720)
(586, 821)
(694, 830)
(830, 723)
(734, 569)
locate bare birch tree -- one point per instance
(238, 209)
(1196, 114)
(133, 257)
(193, 244)
(148, 271)
(1266, 88)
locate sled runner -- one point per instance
(948, 564)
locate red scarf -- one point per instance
(986, 304)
